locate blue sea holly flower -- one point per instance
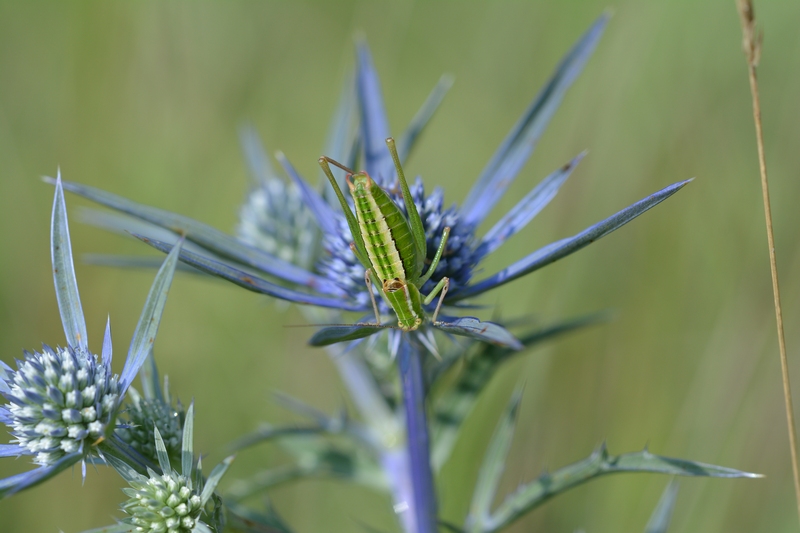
(337, 281)
(63, 401)
(273, 217)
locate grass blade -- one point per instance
(752, 50)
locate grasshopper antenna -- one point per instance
(352, 324)
(324, 160)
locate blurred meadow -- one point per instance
(144, 100)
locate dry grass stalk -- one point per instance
(752, 50)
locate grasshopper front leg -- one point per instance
(442, 287)
(436, 258)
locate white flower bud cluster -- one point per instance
(61, 400)
(164, 504)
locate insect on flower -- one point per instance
(391, 247)
(392, 250)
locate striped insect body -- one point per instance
(391, 247)
(386, 232)
(393, 250)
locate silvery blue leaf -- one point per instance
(69, 300)
(469, 326)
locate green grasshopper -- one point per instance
(391, 248)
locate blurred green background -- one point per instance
(144, 99)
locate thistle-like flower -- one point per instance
(337, 281)
(63, 401)
(60, 399)
(141, 414)
(274, 218)
(171, 501)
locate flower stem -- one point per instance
(395, 464)
(423, 506)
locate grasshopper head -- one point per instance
(360, 181)
(393, 285)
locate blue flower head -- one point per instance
(273, 217)
(336, 281)
(63, 401)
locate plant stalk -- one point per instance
(752, 50)
(423, 505)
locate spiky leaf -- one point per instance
(469, 326)
(69, 300)
(145, 333)
(187, 446)
(334, 334)
(556, 250)
(208, 237)
(533, 494)
(214, 477)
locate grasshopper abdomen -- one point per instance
(386, 233)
